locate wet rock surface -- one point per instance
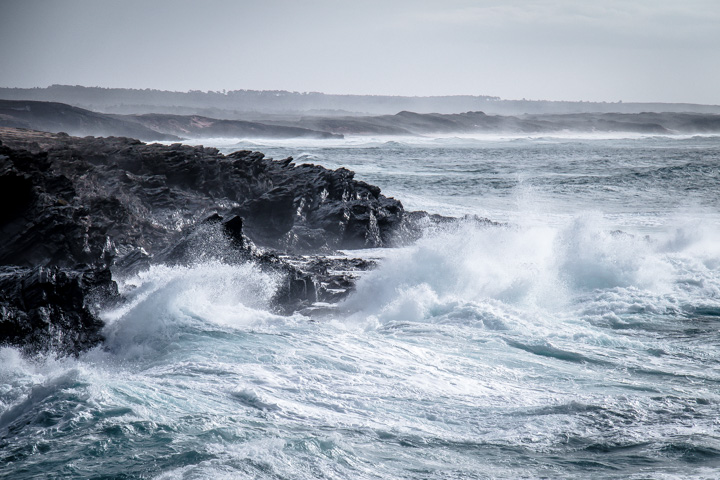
(53, 309)
(76, 208)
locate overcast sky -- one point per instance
(601, 50)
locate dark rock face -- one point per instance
(45, 309)
(314, 209)
(335, 277)
(49, 226)
(99, 199)
(75, 207)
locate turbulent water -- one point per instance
(579, 339)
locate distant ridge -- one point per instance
(411, 123)
(239, 104)
(59, 117)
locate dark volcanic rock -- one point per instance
(44, 223)
(94, 198)
(335, 277)
(75, 207)
(313, 209)
(45, 309)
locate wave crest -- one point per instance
(472, 273)
(164, 301)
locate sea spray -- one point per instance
(165, 301)
(543, 267)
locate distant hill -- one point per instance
(195, 126)
(252, 104)
(58, 117)
(411, 123)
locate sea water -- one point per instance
(579, 338)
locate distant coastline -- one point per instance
(57, 117)
(254, 104)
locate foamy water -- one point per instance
(578, 340)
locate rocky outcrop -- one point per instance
(73, 208)
(306, 208)
(95, 198)
(53, 309)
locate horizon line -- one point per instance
(492, 98)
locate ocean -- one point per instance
(578, 337)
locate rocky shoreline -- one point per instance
(77, 211)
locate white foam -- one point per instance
(512, 274)
(458, 140)
(163, 300)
